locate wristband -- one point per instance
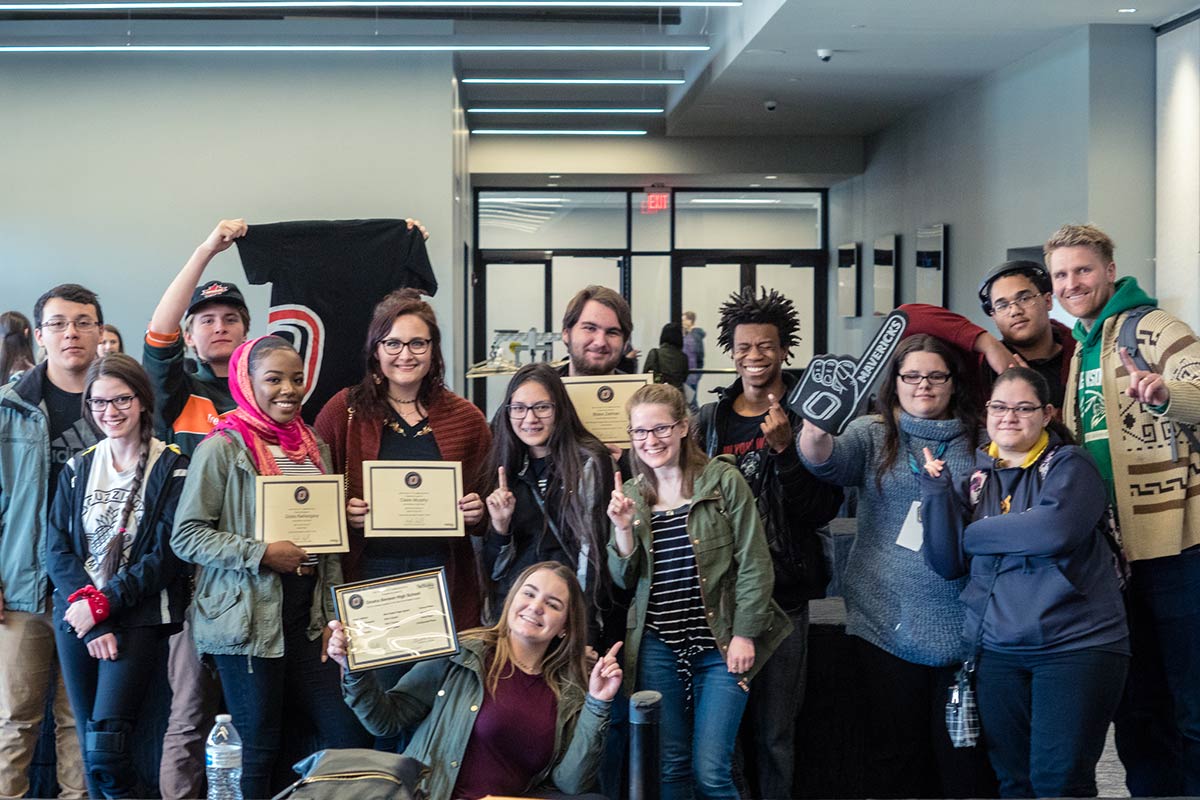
(96, 601)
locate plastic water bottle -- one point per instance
(223, 760)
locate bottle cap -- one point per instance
(224, 718)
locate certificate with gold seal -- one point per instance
(600, 402)
(397, 619)
(307, 510)
(413, 498)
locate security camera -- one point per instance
(825, 55)
(770, 105)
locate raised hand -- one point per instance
(776, 428)
(1145, 386)
(356, 512)
(501, 504)
(605, 680)
(933, 466)
(620, 507)
(223, 235)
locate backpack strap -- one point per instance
(1127, 338)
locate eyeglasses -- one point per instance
(121, 402)
(394, 347)
(540, 410)
(934, 378)
(659, 431)
(60, 325)
(1023, 411)
(1020, 301)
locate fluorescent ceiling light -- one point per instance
(535, 200)
(549, 132)
(588, 81)
(745, 201)
(564, 110)
(338, 48)
(188, 5)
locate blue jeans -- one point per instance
(256, 690)
(1158, 722)
(697, 743)
(1045, 717)
(768, 737)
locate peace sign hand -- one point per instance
(1144, 386)
(500, 504)
(933, 466)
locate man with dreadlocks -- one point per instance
(749, 423)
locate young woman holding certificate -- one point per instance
(402, 411)
(260, 609)
(550, 480)
(516, 712)
(118, 588)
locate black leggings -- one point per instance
(107, 697)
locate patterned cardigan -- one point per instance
(1158, 499)
(462, 434)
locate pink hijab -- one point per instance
(257, 429)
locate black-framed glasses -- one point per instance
(1020, 301)
(120, 402)
(659, 431)
(1022, 410)
(540, 410)
(60, 325)
(934, 378)
(394, 347)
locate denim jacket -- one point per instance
(736, 573)
(24, 491)
(441, 699)
(238, 605)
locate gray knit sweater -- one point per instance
(893, 599)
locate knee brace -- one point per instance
(109, 757)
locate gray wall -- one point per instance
(116, 167)
(1064, 135)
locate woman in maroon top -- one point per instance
(515, 712)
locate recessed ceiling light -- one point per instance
(283, 4)
(552, 184)
(588, 81)
(771, 177)
(1126, 10)
(565, 111)
(552, 177)
(755, 185)
(553, 132)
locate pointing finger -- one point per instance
(928, 455)
(612, 651)
(503, 479)
(1127, 361)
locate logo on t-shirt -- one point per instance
(304, 328)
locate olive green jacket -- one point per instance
(441, 699)
(237, 607)
(736, 574)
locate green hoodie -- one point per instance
(1090, 400)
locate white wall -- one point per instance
(1064, 135)
(1178, 185)
(116, 166)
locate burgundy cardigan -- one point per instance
(462, 434)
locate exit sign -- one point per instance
(655, 202)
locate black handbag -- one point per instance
(356, 774)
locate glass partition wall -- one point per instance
(666, 251)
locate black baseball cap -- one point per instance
(217, 292)
(1030, 269)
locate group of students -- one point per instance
(683, 565)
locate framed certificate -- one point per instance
(600, 402)
(413, 498)
(397, 619)
(307, 510)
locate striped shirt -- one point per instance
(676, 609)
